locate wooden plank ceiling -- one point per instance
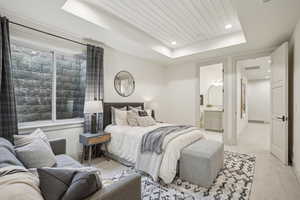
(183, 21)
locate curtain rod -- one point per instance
(44, 32)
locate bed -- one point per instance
(126, 143)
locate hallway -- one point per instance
(272, 180)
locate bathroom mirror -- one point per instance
(215, 95)
(124, 83)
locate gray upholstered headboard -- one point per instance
(107, 110)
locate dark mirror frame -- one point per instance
(133, 88)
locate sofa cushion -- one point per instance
(7, 153)
(54, 182)
(66, 161)
(83, 185)
(36, 154)
(67, 184)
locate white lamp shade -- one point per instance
(93, 107)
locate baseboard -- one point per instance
(258, 121)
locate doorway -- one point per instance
(253, 105)
(211, 101)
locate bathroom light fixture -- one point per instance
(174, 43)
(228, 26)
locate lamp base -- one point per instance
(94, 124)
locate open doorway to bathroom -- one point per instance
(254, 103)
(211, 100)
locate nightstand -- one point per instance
(90, 139)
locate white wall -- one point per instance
(181, 95)
(149, 79)
(241, 122)
(295, 47)
(259, 100)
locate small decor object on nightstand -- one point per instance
(90, 139)
(93, 107)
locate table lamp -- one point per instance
(93, 107)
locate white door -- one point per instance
(279, 103)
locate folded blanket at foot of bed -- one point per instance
(160, 150)
(153, 140)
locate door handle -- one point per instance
(282, 118)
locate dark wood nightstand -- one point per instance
(90, 139)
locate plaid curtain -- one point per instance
(94, 90)
(94, 83)
(8, 115)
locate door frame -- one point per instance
(224, 62)
(235, 60)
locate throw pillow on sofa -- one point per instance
(36, 154)
(67, 184)
(22, 140)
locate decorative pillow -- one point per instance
(66, 184)
(83, 185)
(146, 121)
(22, 140)
(132, 118)
(135, 109)
(113, 114)
(54, 182)
(36, 154)
(143, 113)
(121, 117)
(149, 112)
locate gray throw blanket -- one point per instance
(153, 140)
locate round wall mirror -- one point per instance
(124, 83)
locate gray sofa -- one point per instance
(128, 188)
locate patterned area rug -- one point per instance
(233, 182)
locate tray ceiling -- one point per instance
(183, 22)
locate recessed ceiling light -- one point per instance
(228, 26)
(269, 71)
(174, 43)
(269, 61)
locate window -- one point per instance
(48, 85)
(70, 86)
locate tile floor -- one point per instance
(272, 180)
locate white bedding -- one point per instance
(126, 140)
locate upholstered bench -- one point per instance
(201, 161)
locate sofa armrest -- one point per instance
(128, 188)
(58, 146)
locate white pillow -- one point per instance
(121, 117)
(113, 114)
(22, 140)
(132, 118)
(146, 121)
